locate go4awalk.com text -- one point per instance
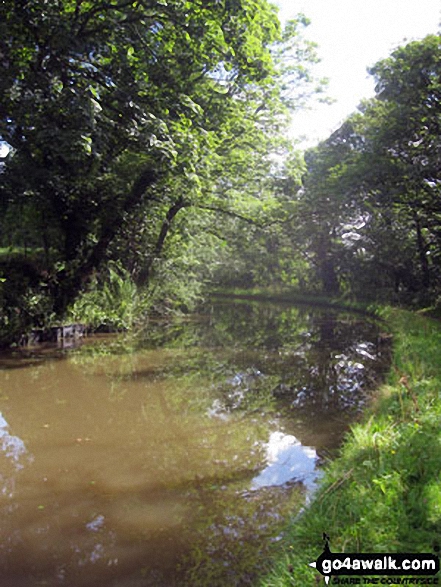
(376, 568)
(385, 581)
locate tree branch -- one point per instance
(237, 215)
(166, 224)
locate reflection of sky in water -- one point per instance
(96, 524)
(99, 550)
(12, 446)
(287, 461)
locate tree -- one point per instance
(370, 205)
(405, 131)
(328, 207)
(121, 114)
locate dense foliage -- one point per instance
(119, 117)
(370, 203)
(143, 143)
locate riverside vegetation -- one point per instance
(146, 144)
(143, 164)
(383, 492)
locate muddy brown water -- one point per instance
(177, 457)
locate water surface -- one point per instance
(174, 459)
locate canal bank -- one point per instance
(383, 493)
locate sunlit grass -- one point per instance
(383, 493)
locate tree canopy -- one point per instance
(370, 202)
(120, 114)
(145, 142)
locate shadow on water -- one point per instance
(174, 459)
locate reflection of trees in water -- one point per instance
(313, 366)
(213, 395)
(231, 543)
(100, 506)
(309, 359)
(13, 458)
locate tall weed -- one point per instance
(112, 301)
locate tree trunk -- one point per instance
(422, 250)
(70, 281)
(145, 272)
(326, 268)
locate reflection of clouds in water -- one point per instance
(13, 448)
(96, 524)
(287, 461)
(217, 410)
(98, 551)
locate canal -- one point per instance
(174, 457)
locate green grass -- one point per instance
(383, 492)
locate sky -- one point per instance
(353, 35)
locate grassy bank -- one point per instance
(383, 493)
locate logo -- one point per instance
(377, 564)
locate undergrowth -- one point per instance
(112, 300)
